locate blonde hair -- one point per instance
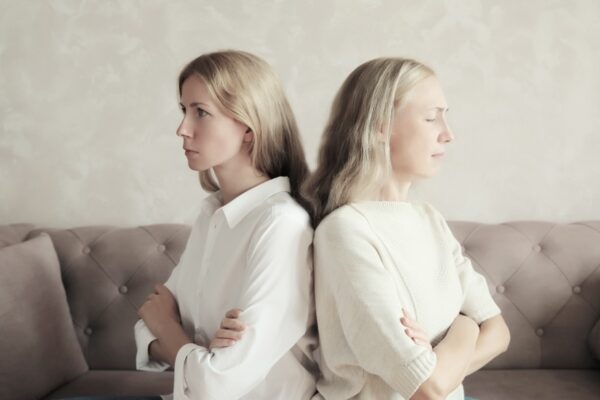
(353, 159)
(246, 86)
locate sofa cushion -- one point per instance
(527, 384)
(36, 329)
(594, 340)
(119, 383)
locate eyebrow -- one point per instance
(440, 108)
(194, 104)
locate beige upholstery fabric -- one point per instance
(38, 345)
(594, 340)
(546, 279)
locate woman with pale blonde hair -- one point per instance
(236, 316)
(401, 312)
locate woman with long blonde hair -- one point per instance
(236, 316)
(401, 312)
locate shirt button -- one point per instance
(162, 248)
(123, 289)
(577, 289)
(86, 250)
(88, 331)
(539, 332)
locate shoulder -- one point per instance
(283, 211)
(344, 223)
(438, 221)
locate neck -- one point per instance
(395, 190)
(237, 176)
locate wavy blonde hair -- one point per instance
(353, 161)
(247, 87)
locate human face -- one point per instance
(210, 136)
(419, 131)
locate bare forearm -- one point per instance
(156, 351)
(172, 341)
(453, 353)
(493, 340)
(170, 338)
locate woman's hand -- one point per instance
(414, 330)
(159, 310)
(230, 331)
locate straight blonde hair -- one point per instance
(247, 87)
(353, 161)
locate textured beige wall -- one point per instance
(88, 104)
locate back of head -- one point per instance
(353, 161)
(246, 86)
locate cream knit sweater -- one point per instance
(371, 259)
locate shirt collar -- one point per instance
(241, 206)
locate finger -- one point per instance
(421, 336)
(220, 343)
(416, 333)
(423, 343)
(407, 322)
(418, 338)
(228, 334)
(234, 324)
(406, 314)
(234, 313)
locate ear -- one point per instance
(248, 135)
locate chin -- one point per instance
(199, 168)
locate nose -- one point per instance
(183, 129)
(446, 136)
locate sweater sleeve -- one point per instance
(275, 304)
(478, 303)
(366, 302)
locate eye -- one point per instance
(182, 109)
(430, 119)
(201, 112)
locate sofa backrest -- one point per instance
(546, 279)
(108, 272)
(544, 276)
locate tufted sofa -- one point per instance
(544, 276)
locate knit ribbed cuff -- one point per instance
(413, 374)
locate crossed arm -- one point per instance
(465, 349)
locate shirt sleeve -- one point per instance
(365, 300)
(275, 304)
(478, 303)
(143, 335)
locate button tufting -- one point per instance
(88, 331)
(123, 289)
(162, 248)
(539, 332)
(500, 289)
(577, 289)
(537, 248)
(86, 250)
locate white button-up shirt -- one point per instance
(254, 253)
